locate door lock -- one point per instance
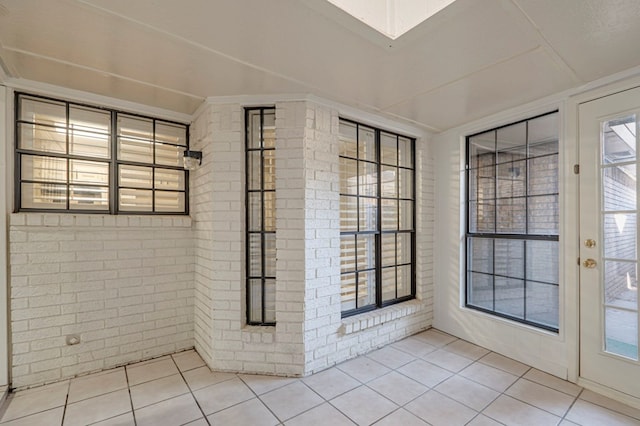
(589, 263)
(590, 243)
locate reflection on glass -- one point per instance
(348, 176)
(255, 255)
(543, 175)
(348, 291)
(388, 283)
(512, 142)
(542, 303)
(480, 290)
(542, 261)
(366, 288)
(269, 254)
(269, 301)
(543, 215)
(388, 149)
(366, 246)
(255, 300)
(621, 331)
(509, 258)
(481, 259)
(512, 215)
(347, 253)
(512, 179)
(619, 140)
(509, 297)
(366, 144)
(619, 187)
(621, 284)
(620, 235)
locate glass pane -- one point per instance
(366, 246)
(269, 301)
(388, 283)
(621, 284)
(621, 331)
(404, 248)
(388, 149)
(89, 144)
(543, 135)
(255, 300)
(619, 187)
(253, 170)
(390, 215)
(620, 235)
(42, 111)
(348, 139)
(347, 253)
(89, 132)
(46, 139)
(348, 291)
(269, 211)
(512, 142)
(509, 258)
(269, 129)
(173, 134)
(169, 155)
(366, 288)
(542, 304)
(619, 140)
(482, 216)
(255, 211)
(169, 179)
(405, 151)
(406, 215)
(367, 144)
(368, 214)
(509, 295)
(255, 255)
(511, 179)
(368, 179)
(482, 150)
(388, 182)
(269, 159)
(542, 261)
(169, 201)
(480, 290)
(348, 176)
(388, 253)
(482, 183)
(135, 150)
(512, 215)
(404, 280)
(135, 200)
(270, 255)
(89, 172)
(89, 119)
(348, 213)
(135, 176)
(543, 215)
(480, 255)
(254, 129)
(406, 183)
(43, 196)
(88, 198)
(135, 127)
(543, 175)
(48, 169)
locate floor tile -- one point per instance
(222, 395)
(291, 400)
(490, 377)
(515, 413)
(397, 387)
(414, 346)
(447, 360)
(553, 382)
(503, 363)
(425, 373)
(98, 408)
(252, 412)
(262, 384)
(175, 411)
(390, 357)
(188, 360)
(436, 409)
(202, 377)
(363, 369)
(151, 370)
(97, 384)
(540, 396)
(199, 422)
(469, 393)
(35, 400)
(363, 406)
(324, 414)
(401, 417)
(331, 383)
(157, 390)
(586, 413)
(44, 418)
(566, 422)
(609, 403)
(435, 338)
(121, 420)
(482, 420)
(466, 349)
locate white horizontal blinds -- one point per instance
(150, 176)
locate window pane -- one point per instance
(254, 136)
(366, 246)
(348, 291)
(543, 135)
(406, 183)
(482, 183)
(254, 181)
(405, 151)
(348, 139)
(404, 280)
(43, 196)
(169, 201)
(366, 288)
(89, 172)
(269, 211)
(270, 301)
(512, 142)
(622, 332)
(348, 213)
(388, 182)
(512, 216)
(171, 134)
(480, 290)
(619, 186)
(169, 155)
(366, 144)
(348, 176)
(482, 216)
(509, 295)
(542, 303)
(388, 149)
(406, 215)
(388, 283)
(135, 127)
(135, 177)
(480, 255)
(169, 179)
(404, 248)
(269, 130)
(42, 111)
(88, 198)
(620, 235)
(45, 139)
(89, 132)
(389, 215)
(135, 200)
(134, 150)
(509, 258)
(542, 261)
(512, 179)
(368, 179)
(543, 175)
(255, 300)
(482, 149)
(388, 254)
(269, 159)
(254, 210)
(347, 253)
(269, 255)
(543, 215)
(255, 255)
(621, 284)
(619, 138)
(49, 169)
(368, 214)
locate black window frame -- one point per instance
(469, 234)
(113, 161)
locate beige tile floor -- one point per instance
(427, 379)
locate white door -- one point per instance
(608, 146)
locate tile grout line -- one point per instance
(133, 411)
(189, 387)
(66, 402)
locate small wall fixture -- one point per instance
(192, 159)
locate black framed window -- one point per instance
(260, 143)
(512, 224)
(377, 216)
(80, 158)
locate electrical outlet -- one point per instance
(73, 339)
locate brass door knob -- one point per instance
(589, 263)
(590, 243)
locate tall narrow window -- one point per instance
(261, 220)
(377, 210)
(512, 222)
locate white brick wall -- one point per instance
(123, 283)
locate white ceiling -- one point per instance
(471, 59)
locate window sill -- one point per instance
(98, 220)
(380, 316)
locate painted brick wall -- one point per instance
(123, 283)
